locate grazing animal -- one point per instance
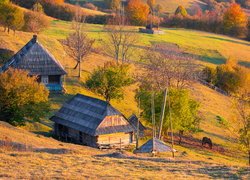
(206, 140)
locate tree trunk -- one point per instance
(180, 136)
(249, 157)
(76, 65)
(79, 64)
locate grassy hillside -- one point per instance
(171, 5)
(27, 156)
(212, 50)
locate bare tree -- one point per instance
(167, 69)
(120, 40)
(243, 125)
(78, 45)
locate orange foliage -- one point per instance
(55, 1)
(235, 20)
(137, 12)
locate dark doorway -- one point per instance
(54, 79)
(80, 136)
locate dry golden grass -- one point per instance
(51, 159)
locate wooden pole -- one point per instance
(171, 126)
(153, 113)
(153, 121)
(138, 130)
(162, 113)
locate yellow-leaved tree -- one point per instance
(21, 97)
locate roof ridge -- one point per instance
(52, 57)
(18, 58)
(11, 60)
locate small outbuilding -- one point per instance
(133, 120)
(93, 122)
(154, 145)
(34, 58)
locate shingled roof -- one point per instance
(85, 114)
(36, 59)
(155, 145)
(133, 120)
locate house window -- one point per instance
(54, 79)
(45, 79)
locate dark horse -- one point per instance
(206, 140)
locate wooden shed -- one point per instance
(154, 145)
(34, 58)
(93, 122)
(133, 120)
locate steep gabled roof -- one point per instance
(85, 114)
(133, 120)
(36, 59)
(155, 145)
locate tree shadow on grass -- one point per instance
(53, 150)
(228, 40)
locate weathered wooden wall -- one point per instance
(113, 121)
(72, 135)
(116, 138)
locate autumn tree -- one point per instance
(181, 11)
(37, 7)
(35, 21)
(11, 17)
(120, 40)
(241, 128)
(167, 69)
(109, 80)
(180, 107)
(78, 45)
(235, 21)
(22, 97)
(137, 12)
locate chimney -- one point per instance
(34, 38)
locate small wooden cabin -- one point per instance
(34, 58)
(133, 120)
(93, 122)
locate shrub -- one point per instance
(21, 97)
(208, 74)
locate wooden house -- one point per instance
(34, 58)
(93, 122)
